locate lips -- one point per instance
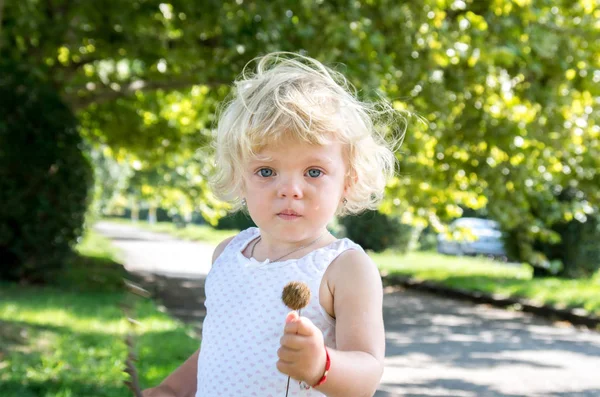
(289, 213)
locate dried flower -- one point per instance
(296, 295)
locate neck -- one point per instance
(272, 248)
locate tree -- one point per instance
(45, 178)
(507, 90)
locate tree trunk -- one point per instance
(135, 212)
(152, 214)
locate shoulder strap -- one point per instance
(240, 241)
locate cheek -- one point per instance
(258, 209)
(256, 187)
(329, 197)
(260, 194)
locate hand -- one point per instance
(302, 353)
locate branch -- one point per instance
(49, 10)
(109, 94)
(72, 67)
(133, 383)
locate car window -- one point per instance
(475, 223)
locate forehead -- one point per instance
(300, 152)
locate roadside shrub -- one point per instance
(377, 232)
(578, 251)
(427, 240)
(586, 255)
(236, 220)
(44, 178)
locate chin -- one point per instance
(291, 231)
(293, 235)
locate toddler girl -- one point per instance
(294, 148)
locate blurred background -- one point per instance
(107, 109)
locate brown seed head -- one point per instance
(296, 295)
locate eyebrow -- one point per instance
(323, 159)
(267, 159)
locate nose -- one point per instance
(290, 188)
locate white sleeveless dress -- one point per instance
(245, 319)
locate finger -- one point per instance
(291, 341)
(287, 369)
(290, 322)
(291, 317)
(284, 367)
(291, 328)
(302, 326)
(288, 355)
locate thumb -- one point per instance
(292, 317)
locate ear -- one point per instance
(241, 188)
(241, 195)
(351, 180)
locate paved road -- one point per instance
(435, 347)
(158, 253)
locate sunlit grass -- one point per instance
(486, 275)
(431, 265)
(66, 341)
(94, 267)
(93, 245)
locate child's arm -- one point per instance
(182, 382)
(357, 362)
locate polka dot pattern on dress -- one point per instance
(245, 319)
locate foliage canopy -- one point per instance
(508, 91)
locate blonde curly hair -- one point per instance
(291, 96)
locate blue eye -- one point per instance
(265, 172)
(314, 173)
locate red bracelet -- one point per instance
(327, 366)
(305, 386)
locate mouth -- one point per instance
(289, 214)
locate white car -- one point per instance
(472, 236)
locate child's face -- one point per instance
(294, 193)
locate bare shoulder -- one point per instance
(357, 292)
(352, 269)
(220, 248)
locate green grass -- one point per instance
(68, 340)
(485, 275)
(204, 233)
(94, 267)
